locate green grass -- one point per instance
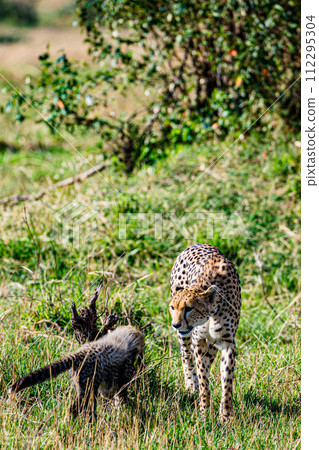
(44, 268)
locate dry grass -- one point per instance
(43, 271)
(44, 267)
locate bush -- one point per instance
(204, 67)
(21, 12)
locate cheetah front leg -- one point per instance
(191, 381)
(227, 366)
(204, 356)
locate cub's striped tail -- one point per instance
(46, 372)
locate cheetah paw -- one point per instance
(191, 387)
(226, 416)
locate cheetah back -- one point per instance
(203, 265)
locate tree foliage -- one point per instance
(203, 68)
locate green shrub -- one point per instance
(21, 12)
(205, 67)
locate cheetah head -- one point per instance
(191, 307)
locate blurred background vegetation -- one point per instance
(197, 69)
(19, 12)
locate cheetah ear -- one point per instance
(210, 292)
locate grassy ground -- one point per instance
(247, 204)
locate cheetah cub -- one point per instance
(205, 310)
(104, 366)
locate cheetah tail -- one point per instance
(45, 373)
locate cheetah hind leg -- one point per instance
(85, 405)
(191, 380)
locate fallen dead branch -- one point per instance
(85, 323)
(15, 199)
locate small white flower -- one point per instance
(147, 93)
(169, 17)
(27, 80)
(115, 34)
(89, 100)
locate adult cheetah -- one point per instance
(205, 310)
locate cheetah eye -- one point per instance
(171, 308)
(188, 309)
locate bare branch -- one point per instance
(92, 303)
(85, 324)
(75, 315)
(106, 301)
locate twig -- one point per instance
(15, 199)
